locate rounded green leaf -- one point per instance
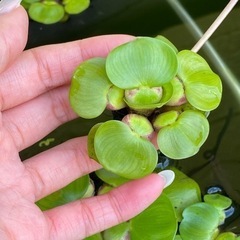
(76, 6)
(185, 136)
(157, 222)
(166, 118)
(89, 88)
(46, 12)
(183, 192)
(200, 222)
(218, 200)
(71, 192)
(123, 152)
(203, 88)
(142, 62)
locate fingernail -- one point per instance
(8, 5)
(168, 176)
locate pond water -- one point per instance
(217, 165)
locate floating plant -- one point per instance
(52, 11)
(167, 96)
(180, 213)
(166, 93)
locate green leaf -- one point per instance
(89, 88)
(142, 62)
(90, 190)
(143, 100)
(157, 222)
(71, 192)
(177, 237)
(123, 152)
(191, 62)
(76, 6)
(105, 188)
(94, 237)
(27, 3)
(226, 236)
(183, 192)
(200, 222)
(139, 124)
(30, 1)
(91, 136)
(218, 200)
(166, 118)
(118, 232)
(203, 88)
(115, 98)
(185, 136)
(110, 178)
(143, 95)
(46, 12)
(178, 94)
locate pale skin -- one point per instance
(34, 87)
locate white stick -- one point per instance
(214, 25)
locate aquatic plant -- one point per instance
(52, 11)
(166, 93)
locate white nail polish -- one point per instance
(8, 5)
(168, 175)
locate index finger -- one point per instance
(41, 69)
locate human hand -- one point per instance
(34, 87)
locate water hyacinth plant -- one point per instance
(52, 11)
(180, 213)
(167, 94)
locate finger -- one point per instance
(59, 166)
(13, 36)
(82, 218)
(51, 66)
(33, 120)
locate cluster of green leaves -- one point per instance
(167, 93)
(180, 213)
(52, 11)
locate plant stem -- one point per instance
(215, 25)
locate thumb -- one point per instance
(13, 33)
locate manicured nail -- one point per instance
(8, 5)
(168, 176)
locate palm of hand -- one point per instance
(33, 102)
